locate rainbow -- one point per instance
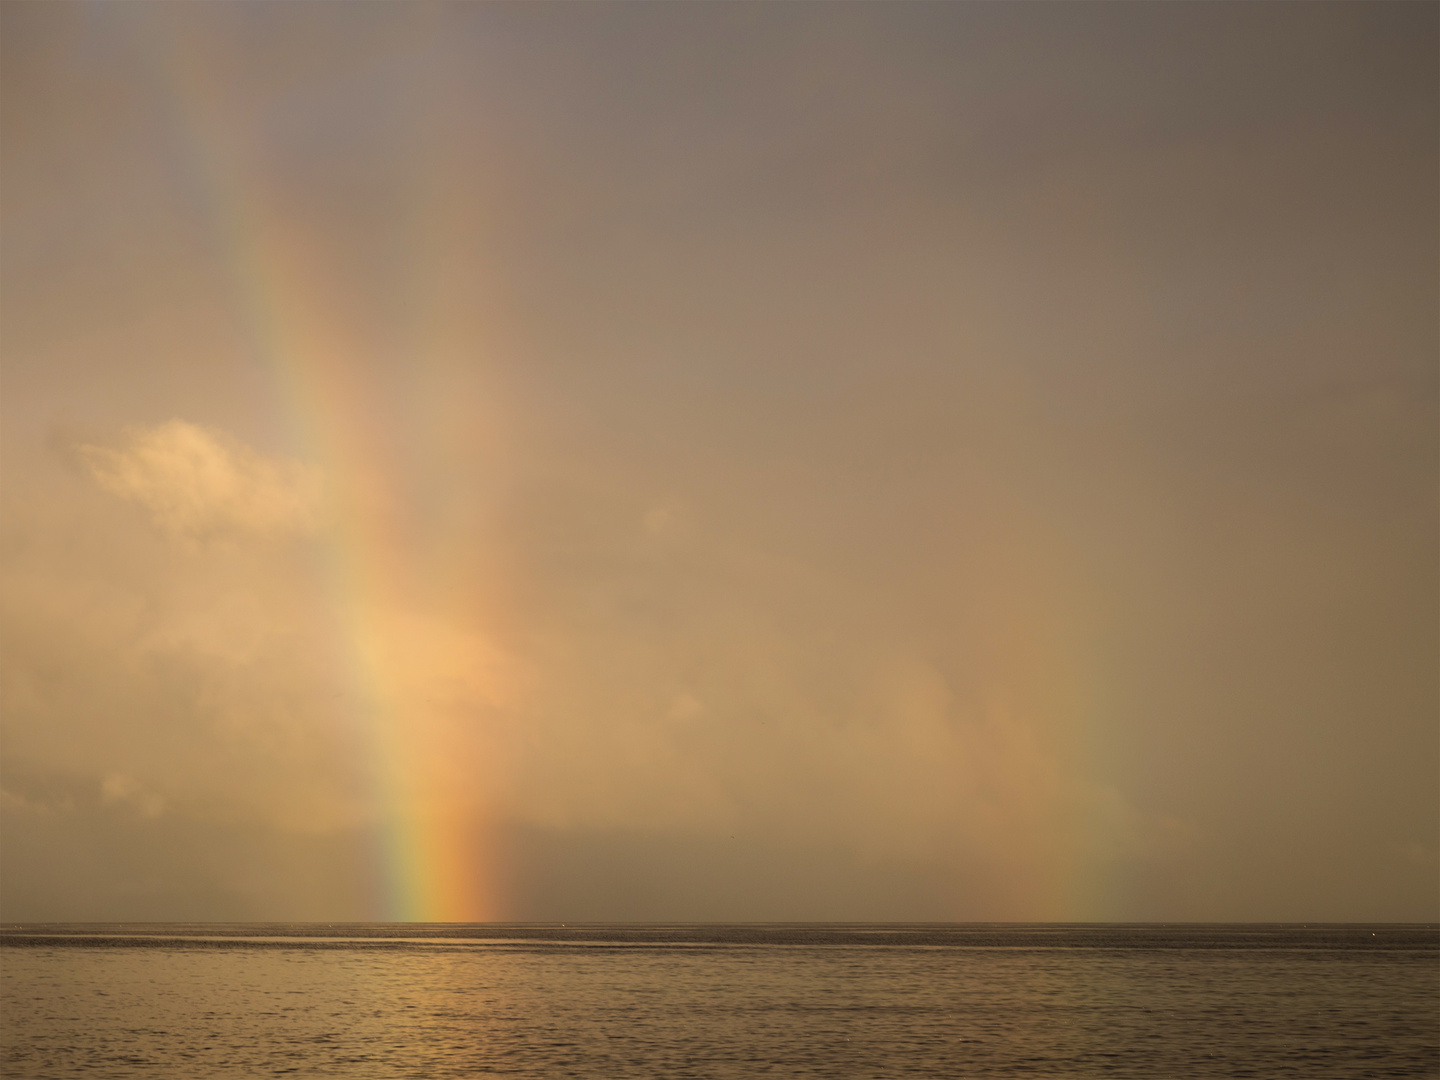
(432, 852)
(403, 597)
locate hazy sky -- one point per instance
(816, 461)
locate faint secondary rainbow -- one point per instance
(433, 861)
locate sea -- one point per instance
(737, 1001)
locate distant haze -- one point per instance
(720, 462)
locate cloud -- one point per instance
(121, 788)
(137, 685)
(199, 483)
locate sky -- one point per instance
(719, 462)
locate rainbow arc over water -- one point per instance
(403, 584)
(412, 673)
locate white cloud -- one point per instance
(199, 483)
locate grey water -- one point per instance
(851, 1001)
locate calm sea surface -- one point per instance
(380, 1000)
